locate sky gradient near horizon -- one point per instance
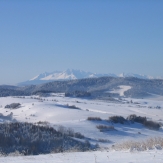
(99, 36)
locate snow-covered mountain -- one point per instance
(68, 75)
(71, 74)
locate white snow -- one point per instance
(59, 76)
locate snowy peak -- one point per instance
(40, 76)
(68, 75)
(71, 74)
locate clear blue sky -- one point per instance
(107, 36)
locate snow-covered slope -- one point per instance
(71, 74)
(54, 110)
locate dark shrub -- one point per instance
(78, 135)
(152, 125)
(72, 106)
(94, 119)
(104, 140)
(13, 106)
(143, 120)
(117, 119)
(137, 119)
(42, 122)
(70, 132)
(105, 128)
(78, 94)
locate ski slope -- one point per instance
(121, 90)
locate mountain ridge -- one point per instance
(99, 88)
(72, 74)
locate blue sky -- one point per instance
(103, 36)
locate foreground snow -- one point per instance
(154, 156)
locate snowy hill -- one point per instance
(140, 76)
(71, 74)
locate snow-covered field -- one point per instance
(54, 110)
